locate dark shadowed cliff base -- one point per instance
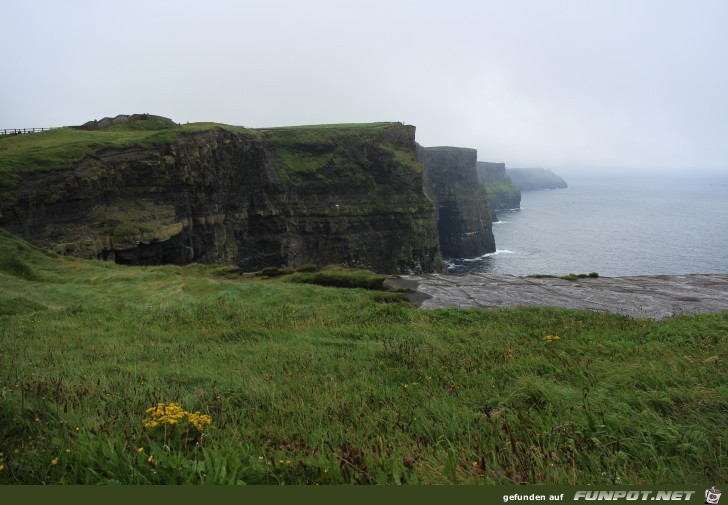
(642, 296)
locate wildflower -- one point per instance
(475, 463)
(199, 420)
(140, 449)
(288, 462)
(551, 338)
(54, 461)
(172, 414)
(150, 458)
(68, 451)
(2, 467)
(77, 428)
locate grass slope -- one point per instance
(311, 384)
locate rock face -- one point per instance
(529, 179)
(642, 296)
(464, 221)
(502, 193)
(350, 195)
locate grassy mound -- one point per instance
(308, 384)
(340, 277)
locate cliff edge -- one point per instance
(143, 190)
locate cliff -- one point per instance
(146, 191)
(464, 221)
(528, 179)
(502, 193)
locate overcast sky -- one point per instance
(582, 84)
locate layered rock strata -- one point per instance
(464, 221)
(349, 195)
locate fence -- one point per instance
(20, 131)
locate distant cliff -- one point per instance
(464, 221)
(502, 193)
(527, 179)
(141, 190)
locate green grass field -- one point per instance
(307, 384)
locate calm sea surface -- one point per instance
(614, 227)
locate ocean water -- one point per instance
(615, 227)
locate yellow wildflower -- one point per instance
(172, 414)
(140, 449)
(150, 458)
(54, 461)
(199, 420)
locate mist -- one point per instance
(579, 87)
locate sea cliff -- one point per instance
(143, 191)
(464, 221)
(502, 193)
(529, 179)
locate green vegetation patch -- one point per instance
(266, 382)
(308, 149)
(501, 187)
(61, 147)
(341, 277)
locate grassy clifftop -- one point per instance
(305, 149)
(308, 384)
(62, 147)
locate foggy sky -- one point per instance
(588, 85)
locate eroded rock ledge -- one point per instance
(641, 296)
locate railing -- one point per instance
(20, 131)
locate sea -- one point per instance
(614, 226)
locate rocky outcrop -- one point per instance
(349, 195)
(502, 193)
(529, 179)
(98, 124)
(464, 221)
(642, 296)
